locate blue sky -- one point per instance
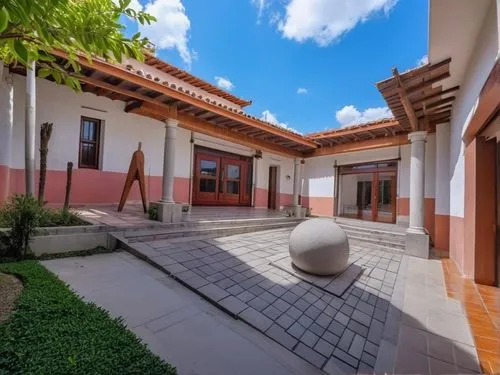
(266, 50)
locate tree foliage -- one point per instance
(30, 30)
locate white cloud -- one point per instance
(171, 29)
(301, 91)
(224, 83)
(423, 60)
(135, 5)
(268, 116)
(261, 5)
(324, 21)
(349, 115)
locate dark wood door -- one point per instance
(272, 191)
(221, 180)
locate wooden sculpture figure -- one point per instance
(135, 172)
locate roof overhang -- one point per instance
(148, 96)
(417, 98)
(367, 131)
(187, 77)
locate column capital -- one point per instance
(171, 123)
(417, 136)
(297, 161)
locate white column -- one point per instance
(6, 129)
(169, 161)
(29, 135)
(296, 182)
(417, 181)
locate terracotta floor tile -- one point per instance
(488, 345)
(485, 332)
(481, 304)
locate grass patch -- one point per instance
(52, 331)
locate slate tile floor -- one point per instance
(332, 333)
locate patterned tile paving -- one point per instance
(482, 307)
(329, 332)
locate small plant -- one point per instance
(153, 213)
(22, 214)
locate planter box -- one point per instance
(55, 240)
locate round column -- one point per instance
(417, 180)
(296, 182)
(169, 160)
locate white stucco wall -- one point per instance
(480, 64)
(120, 131)
(120, 135)
(319, 171)
(285, 172)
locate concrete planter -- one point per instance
(55, 240)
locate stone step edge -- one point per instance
(373, 230)
(385, 244)
(196, 232)
(373, 237)
(177, 227)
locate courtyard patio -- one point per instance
(391, 315)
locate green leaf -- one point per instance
(4, 19)
(44, 72)
(21, 51)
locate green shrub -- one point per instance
(153, 213)
(53, 331)
(22, 215)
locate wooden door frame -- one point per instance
(223, 158)
(375, 172)
(269, 194)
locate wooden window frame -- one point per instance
(97, 142)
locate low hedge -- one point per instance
(53, 331)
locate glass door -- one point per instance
(364, 200)
(230, 180)
(207, 182)
(386, 198)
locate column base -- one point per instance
(168, 212)
(417, 243)
(296, 210)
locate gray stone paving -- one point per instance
(336, 285)
(332, 333)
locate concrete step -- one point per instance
(220, 230)
(384, 227)
(374, 241)
(376, 236)
(386, 235)
(206, 224)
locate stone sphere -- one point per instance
(319, 246)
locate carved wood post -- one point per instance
(69, 174)
(45, 133)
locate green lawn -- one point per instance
(53, 331)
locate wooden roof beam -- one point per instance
(122, 73)
(359, 146)
(435, 95)
(192, 123)
(347, 131)
(410, 113)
